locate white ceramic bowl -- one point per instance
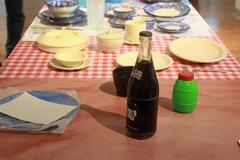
(110, 41)
(70, 59)
(63, 8)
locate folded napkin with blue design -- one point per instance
(38, 111)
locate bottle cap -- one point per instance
(186, 75)
(145, 34)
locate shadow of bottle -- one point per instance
(109, 88)
(166, 103)
(113, 121)
(117, 122)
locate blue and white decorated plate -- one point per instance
(155, 1)
(118, 23)
(78, 16)
(14, 124)
(181, 9)
(173, 27)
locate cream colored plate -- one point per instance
(59, 49)
(130, 42)
(200, 50)
(161, 61)
(57, 65)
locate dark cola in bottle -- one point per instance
(143, 93)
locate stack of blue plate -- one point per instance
(173, 27)
(12, 124)
(78, 16)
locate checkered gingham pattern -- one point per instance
(27, 61)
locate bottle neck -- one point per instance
(145, 49)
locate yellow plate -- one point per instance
(57, 65)
(200, 50)
(130, 42)
(160, 61)
(59, 49)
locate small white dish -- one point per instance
(54, 63)
(70, 59)
(160, 61)
(199, 50)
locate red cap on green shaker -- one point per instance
(186, 75)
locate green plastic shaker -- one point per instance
(185, 93)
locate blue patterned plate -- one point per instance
(173, 27)
(78, 16)
(179, 7)
(13, 124)
(155, 1)
(118, 23)
(108, 11)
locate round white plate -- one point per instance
(200, 50)
(57, 65)
(160, 61)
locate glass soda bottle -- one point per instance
(143, 93)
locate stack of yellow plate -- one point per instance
(59, 40)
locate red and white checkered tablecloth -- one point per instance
(27, 61)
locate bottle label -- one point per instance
(131, 114)
(142, 114)
(137, 74)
